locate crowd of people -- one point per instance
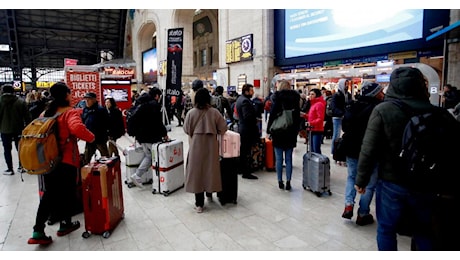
(361, 121)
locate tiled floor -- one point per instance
(265, 218)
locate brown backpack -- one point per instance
(39, 146)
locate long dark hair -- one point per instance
(113, 104)
(59, 93)
(202, 98)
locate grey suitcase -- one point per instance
(316, 172)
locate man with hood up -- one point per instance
(14, 116)
(382, 144)
(339, 100)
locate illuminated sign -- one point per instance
(239, 49)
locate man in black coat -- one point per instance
(150, 129)
(247, 127)
(96, 119)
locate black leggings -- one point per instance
(58, 197)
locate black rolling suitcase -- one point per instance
(229, 174)
(229, 152)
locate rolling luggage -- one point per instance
(168, 164)
(229, 175)
(133, 158)
(269, 155)
(229, 144)
(316, 172)
(102, 196)
(229, 150)
(258, 155)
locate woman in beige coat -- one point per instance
(202, 124)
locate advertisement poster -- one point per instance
(174, 62)
(82, 82)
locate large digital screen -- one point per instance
(149, 66)
(314, 31)
(306, 37)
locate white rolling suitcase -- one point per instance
(168, 165)
(133, 158)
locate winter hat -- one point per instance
(370, 89)
(197, 84)
(59, 91)
(90, 95)
(7, 88)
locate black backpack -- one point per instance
(429, 150)
(131, 120)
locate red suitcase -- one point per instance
(102, 196)
(269, 155)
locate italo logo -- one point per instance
(175, 33)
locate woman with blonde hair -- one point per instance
(284, 141)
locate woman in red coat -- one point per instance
(315, 119)
(60, 184)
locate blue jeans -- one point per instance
(315, 144)
(391, 199)
(350, 192)
(279, 162)
(337, 129)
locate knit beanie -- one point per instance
(197, 84)
(370, 89)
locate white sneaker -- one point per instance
(137, 181)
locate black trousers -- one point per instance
(58, 197)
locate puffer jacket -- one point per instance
(71, 128)
(287, 99)
(383, 136)
(316, 114)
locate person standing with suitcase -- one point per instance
(248, 129)
(284, 142)
(202, 124)
(60, 185)
(149, 129)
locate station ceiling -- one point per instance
(43, 38)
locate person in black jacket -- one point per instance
(14, 116)
(96, 119)
(116, 124)
(150, 129)
(354, 126)
(247, 127)
(285, 142)
(338, 103)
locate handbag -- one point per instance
(282, 122)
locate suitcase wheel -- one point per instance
(318, 194)
(330, 193)
(154, 191)
(130, 185)
(106, 234)
(166, 193)
(86, 234)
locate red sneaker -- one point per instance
(39, 238)
(348, 212)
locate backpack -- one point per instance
(39, 145)
(131, 121)
(428, 150)
(216, 102)
(328, 106)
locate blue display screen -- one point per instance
(315, 31)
